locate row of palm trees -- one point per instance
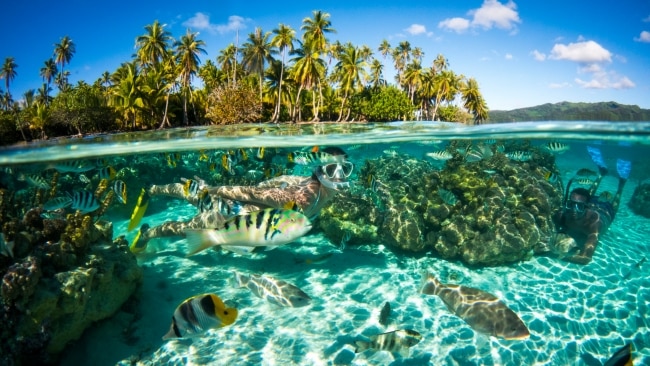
(297, 78)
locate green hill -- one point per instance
(566, 111)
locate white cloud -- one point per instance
(417, 29)
(606, 80)
(492, 14)
(538, 55)
(559, 85)
(458, 25)
(591, 58)
(201, 21)
(582, 52)
(508, 56)
(643, 37)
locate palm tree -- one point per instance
(417, 54)
(376, 74)
(473, 100)
(256, 52)
(401, 56)
(307, 71)
(188, 49)
(63, 53)
(413, 78)
(227, 60)
(315, 29)
(446, 86)
(283, 40)
(152, 47)
(126, 91)
(440, 63)
(350, 72)
(275, 76)
(8, 72)
(384, 48)
(49, 71)
(43, 95)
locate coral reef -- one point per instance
(66, 273)
(640, 201)
(487, 212)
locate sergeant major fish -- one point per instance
(269, 228)
(34, 180)
(397, 341)
(198, 314)
(442, 155)
(481, 310)
(272, 290)
(315, 158)
(84, 201)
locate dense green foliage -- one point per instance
(296, 77)
(566, 111)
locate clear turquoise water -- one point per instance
(576, 314)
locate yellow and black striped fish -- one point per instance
(270, 227)
(198, 314)
(107, 172)
(191, 188)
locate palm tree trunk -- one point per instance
(345, 97)
(165, 119)
(185, 119)
(296, 106)
(276, 113)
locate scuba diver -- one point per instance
(330, 173)
(584, 215)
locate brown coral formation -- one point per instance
(487, 212)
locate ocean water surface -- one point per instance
(576, 314)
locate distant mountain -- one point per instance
(566, 111)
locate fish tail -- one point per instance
(361, 346)
(240, 279)
(139, 210)
(199, 240)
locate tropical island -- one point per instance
(283, 75)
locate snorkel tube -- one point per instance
(566, 194)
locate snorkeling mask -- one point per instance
(576, 206)
(334, 175)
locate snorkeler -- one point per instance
(584, 215)
(216, 204)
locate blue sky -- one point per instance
(521, 53)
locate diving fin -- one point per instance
(623, 167)
(138, 245)
(622, 357)
(597, 158)
(139, 210)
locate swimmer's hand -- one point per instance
(579, 259)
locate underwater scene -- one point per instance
(411, 243)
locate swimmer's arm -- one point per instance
(589, 248)
(269, 197)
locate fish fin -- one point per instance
(238, 249)
(240, 279)
(430, 283)
(200, 239)
(139, 210)
(361, 346)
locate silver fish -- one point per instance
(273, 290)
(483, 311)
(519, 155)
(34, 180)
(397, 341)
(73, 166)
(557, 147)
(442, 155)
(316, 158)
